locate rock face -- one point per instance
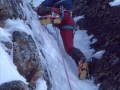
(25, 52)
(27, 61)
(11, 9)
(14, 85)
(103, 21)
(8, 45)
(26, 57)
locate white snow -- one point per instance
(8, 71)
(82, 41)
(50, 42)
(99, 54)
(4, 35)
(115, 3)
(78, 18)
(41, 85)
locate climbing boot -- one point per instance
(76, 55)
(80, 61)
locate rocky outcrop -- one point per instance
(1, 24)
(25, 53)
(27, 60)
(26, 57)
(103, 21)
(11, 9)
(9, 47)
(14, 85)
(3, 12)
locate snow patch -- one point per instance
(115, 3)
(8, 71)
(99, 54)
(41, 85)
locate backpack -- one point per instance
(57, 3)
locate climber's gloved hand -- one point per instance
(36, 8)
(43, 10)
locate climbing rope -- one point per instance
(57, 33)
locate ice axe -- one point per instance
(32, 4)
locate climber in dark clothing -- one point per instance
(66, 28)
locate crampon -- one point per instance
(82, 69)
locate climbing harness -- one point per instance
(63, 11)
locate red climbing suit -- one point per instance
(66, 34)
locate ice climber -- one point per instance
(63, 8)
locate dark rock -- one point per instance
(8, 45)
(1, 23)
(3, 12)
(11, 9)
(47, 79)
(26, 57)
(14, 85)
(103, 21)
